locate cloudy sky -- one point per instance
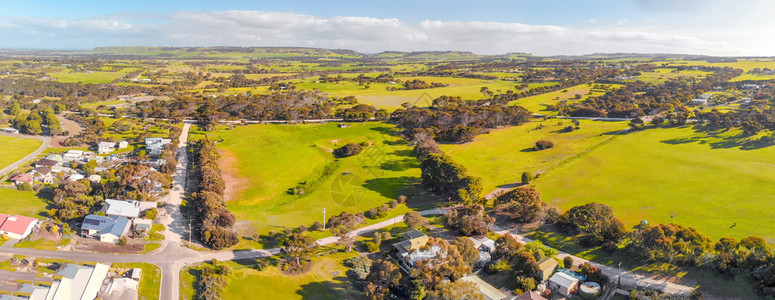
(541, 27)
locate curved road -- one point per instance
(46, 141)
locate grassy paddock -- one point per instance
(265, 161)
(501, 156)
(15, 148)
(716, 182)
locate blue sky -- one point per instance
(711, 27)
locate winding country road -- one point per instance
(172, 257)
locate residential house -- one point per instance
(70, 282)
(22, 178)
(9, 130)
(123, 144)
(16, 227)
(750, 86)
(485, 289)
(485, 246)
(46, 163)
(55, 157)
(43, 174)
(73, 155)
(155, 146)
(546, 267)
(413, 240)
(106, 229)
(105, 147)
(121, 289)
(531, 295)
(76, 177)
(699, 101)
(94, 178)
(126, 208)
(563, 284)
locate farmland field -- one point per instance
(501, 156)
(723, 183)
(22, 203)
(262, 163)
(538, 103)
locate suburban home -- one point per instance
(55, 157)
(22, 178)
(126, 208)
(123, 144)
(70, 282)
(154, 146)
(17, 227)
(699, 101)
(106, 229)
(72, 155)
(94, 178)
(563, 284)
(43, 174)
(531, 295)
(76, 177)
(9, 130)
(46, 163)
(485, 246)
(750, 86)
(105, 147)
(706, 96)
(488, 291)
(121, 288)
(413, 241)
(546, 267)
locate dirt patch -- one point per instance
(72, 127)
(93, 245)
(234, 183)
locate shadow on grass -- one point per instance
(340, 287)
(400, 165)
(387, 130)
(712, 138)
(391, 187)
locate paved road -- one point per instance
(46, 141)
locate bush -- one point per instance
(122, 241)
(317, 226)
(567, 262)
(393, 203)
(151, 213)
(261, 264)
(348, 150)
(526, 177)
(543, 145)
(402, 199)
(610, 247)
(372, 247)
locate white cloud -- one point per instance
(366, 34)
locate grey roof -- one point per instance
(124, 208)
(106, 145)
(104, 225)
(413, 234)
(563, 279)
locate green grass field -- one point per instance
(15, 148)
(501, 156)
(714, 182)
(265, 161)
(22, 203)
(538, 103)
(326, 279)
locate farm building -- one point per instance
(106, 229)
(16, 227)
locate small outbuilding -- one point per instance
(563, 284)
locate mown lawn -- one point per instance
(22, 203)
(716, 182)
(265, 161)
(501, 156)
(15, 148)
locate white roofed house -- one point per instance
(81, 282)
(106, 229)
(563, 283)
(126, 208)
(105, 147)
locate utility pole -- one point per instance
(189, 233)
(324, 219)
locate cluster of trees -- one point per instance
(417, 84)
(435, 278)
(213, 220)
(522, 204)
(520, 260)
(362, 113)
(469, 219)
(752, 118)
(212, 281)
(674, 244)
(71, 93)
(638, 98)
(451, 119)
(445, 177)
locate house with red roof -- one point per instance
(22, 178)
(17, 227)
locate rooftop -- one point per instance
(17, 224)
(563, 279)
